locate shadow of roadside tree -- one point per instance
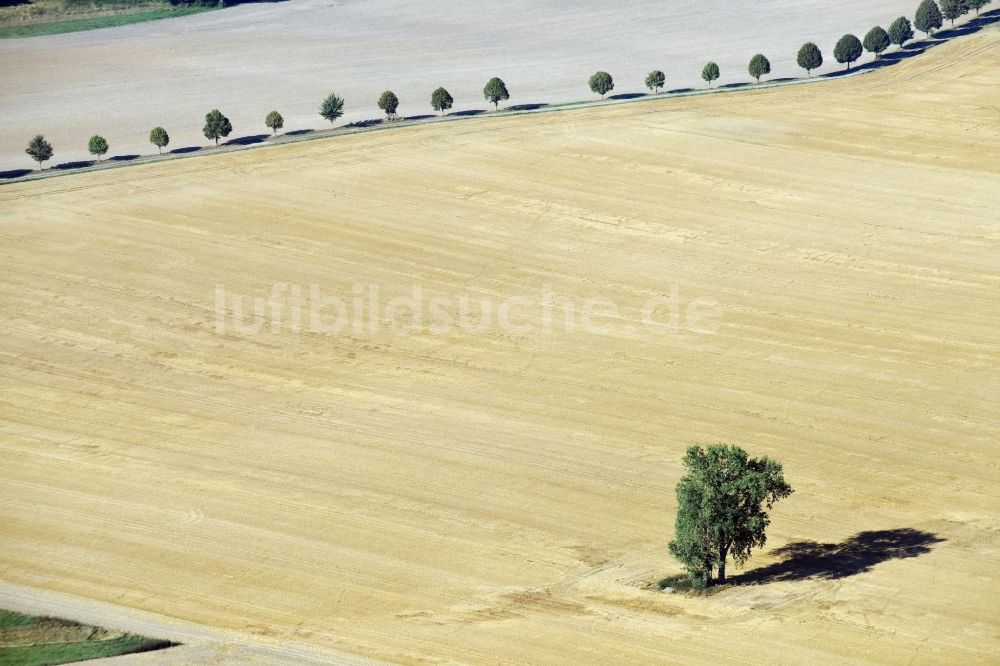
(829, 561)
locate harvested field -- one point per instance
(506, 497)
(288, 56)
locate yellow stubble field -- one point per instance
(505, 495)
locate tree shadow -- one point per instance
(123, 158)
(680, 90)
(185, 151)
(14, 173)
(470, 112)
(248, 140)
(730, 86)
(921, 45)
(527, 107)
(627, 96)
(365, 123)
(299, 132)
(803, 560)
(74, 165)
(424, 116)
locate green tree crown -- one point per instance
(656, 80)
(759, 66)
(977, 4)
(900, 31)
(809, 57)
(441, 100)
(159, 138)
(723, 502)
(495, 92)
(710, 72)
(952, 9)
(928, 17)
(217, 126)
(97, 145)
(847, 50)
(388, 102)
(274, 121)
(877, 40)
(601, 83)
(39, 149)
(332, 107)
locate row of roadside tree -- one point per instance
(929, 17)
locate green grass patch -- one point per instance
(28, 640)
(62, 653)
(92, 23)
(10, 619)
(682, 584)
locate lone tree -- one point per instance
(710, 72)
(900, 31)
(98, 146)
(809, 57)
(274, 121)
(952, 9)
(441, 100)
(928, 18)
(876, 41)
(722, 508)
(656, 80)
(39, 149)
(332, 107)
(759, 66)
(217, 126)
(977, 4)
(601, 83)
(495, 92)
(847, 50)
(388, 102)
(159, 138)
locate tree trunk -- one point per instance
(722, 566)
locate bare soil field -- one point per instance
(247, 60)
(504, 496)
